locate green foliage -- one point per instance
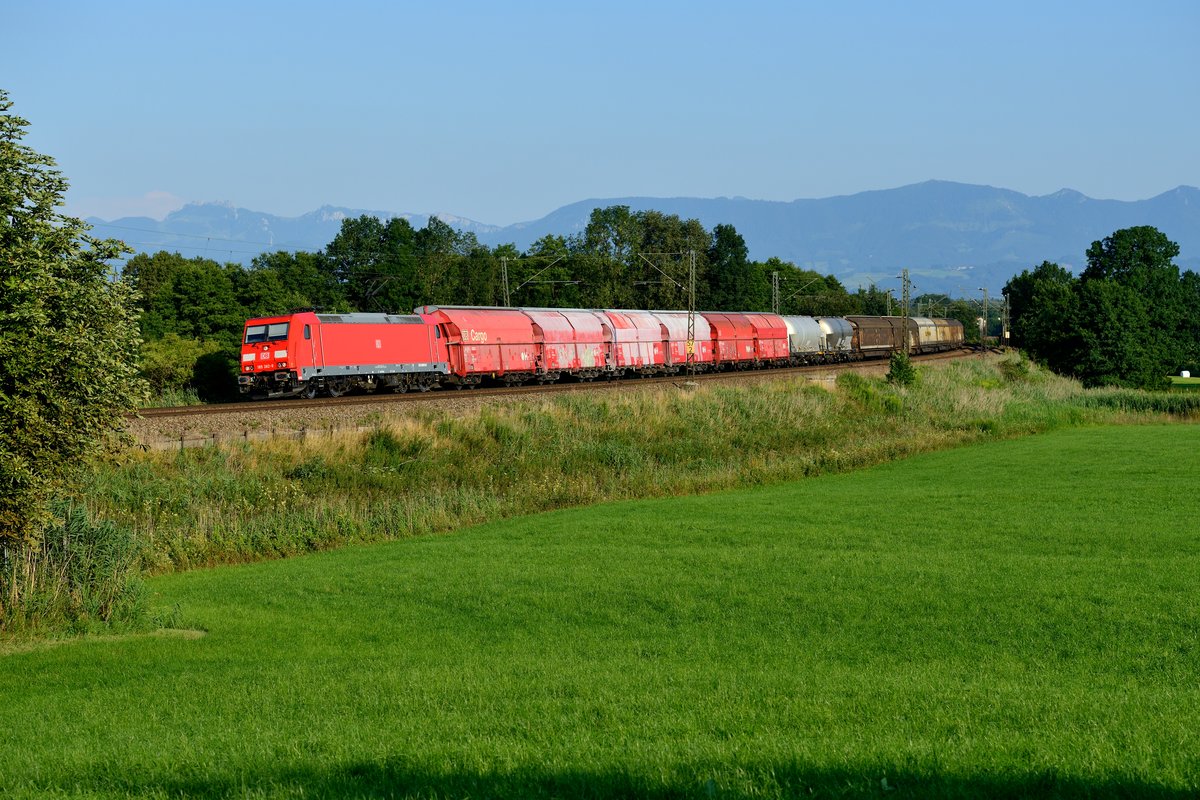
(190, 297)
(901, 370)
(869, 397)
(169, 363)
(1140, 260)
(1016, 369)
(1116, 344)
(308, 282)
(215, 374)
(1141, 402)
(1123, 322)
(68, 340)
(734, 279)
(82, 574)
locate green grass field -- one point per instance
(1185, 384)
(1017, 618)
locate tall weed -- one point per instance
(430, 472)
(81, 575)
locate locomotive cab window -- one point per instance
(266, 333)
(307, 332)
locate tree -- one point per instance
(308, 280)
(1044, 312)
(1139, 260)
(732, 278)
(607, 252)
(1115, 342)
(440, 250)
(659, 277)
(1189, 329)
(376, 264)
(68, 342)
(192, 297)
(547, 276)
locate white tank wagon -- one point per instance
(839, 338)
(806, 341)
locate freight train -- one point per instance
(309, 353)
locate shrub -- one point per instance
(169, 363)
(901, 370)
(1015, 370)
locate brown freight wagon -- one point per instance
(879, 337)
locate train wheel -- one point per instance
(311, 390)
(336, 389)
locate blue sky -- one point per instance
(504, 111)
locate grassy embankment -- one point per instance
(1013, 619)
(429, 472)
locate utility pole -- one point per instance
(691, 334)
(1004, 325)
(907, 290)
(775, 291)
(504, 278)
(984, 326)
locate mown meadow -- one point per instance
(1013, 619)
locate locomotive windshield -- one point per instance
(266, 333)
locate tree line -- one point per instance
(1131, 318)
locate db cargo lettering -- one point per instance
(475, 336)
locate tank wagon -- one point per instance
(309, 353)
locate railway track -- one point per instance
(332, 403)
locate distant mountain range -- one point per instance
(953, 237)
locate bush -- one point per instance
(1015, 370)
(169, 363)
(901, 370)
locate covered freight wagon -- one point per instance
(485, 342)
(876, 337)
(674, 326)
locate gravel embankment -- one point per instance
(240, 423)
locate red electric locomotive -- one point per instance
(308, 353)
